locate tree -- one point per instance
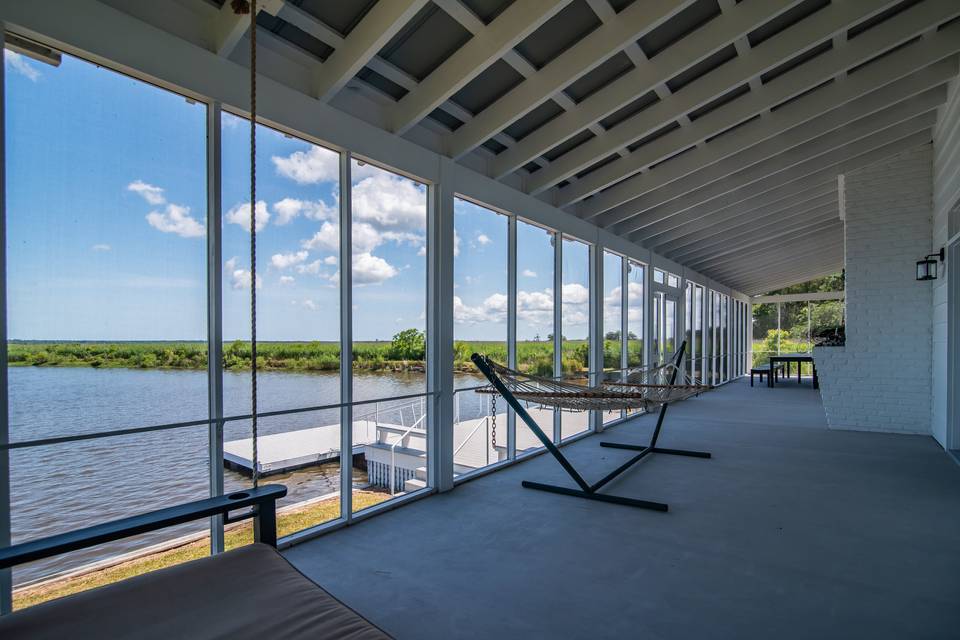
(409, 344)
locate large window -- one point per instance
(480, 325)
(107, 320)
(298, 351)
(389, 294)
(535, 319)
(612, 322)
(636, 329)
(575, 324)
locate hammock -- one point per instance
(634, 388)
(646, 388)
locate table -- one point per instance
(793, 357)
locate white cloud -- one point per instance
(370, 269)
(576, 298)
(290, 208)
(575, 293)
(309, 167)
(240, 215)
(327, 238)
(612, 303)
(286, 260)
(176, 219)
(310, 304)
(239, 277)
(390, 203)
(19, 64)
(101, 247)
(529, 273)
(483, 239)
(310, 269)
(287, 279)
(330, 260)
(153, 195)
(535, 307)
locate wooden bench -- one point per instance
(764, 370)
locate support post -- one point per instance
(511, 327)
(346, 337)
(214, 320)
(557, 323)
(440, 417)
(595, 279)
(6, 576)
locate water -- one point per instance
(62, 487)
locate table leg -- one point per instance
(799, 369)
(770, 375)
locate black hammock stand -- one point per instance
(547, 392)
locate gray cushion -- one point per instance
(250, 592)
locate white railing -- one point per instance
(393, 453)
(485, 420)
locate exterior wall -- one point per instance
(880, 380)
(946, 196)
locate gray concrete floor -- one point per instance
(790, 531)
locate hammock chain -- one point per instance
(493, 431)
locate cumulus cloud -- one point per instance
(534, 307)
(287, 260)
(390, 203)
(290, 208)
(239, 277)
(239, 214)
(176, 219)
(309, 167)
(287, 279)
(152, 194)
(483, 239)
(310, 304)
(20, 65)
(100, 247)
(371, 269)
(576, 299)
(612, 303)
(330, 260)
(529, 273)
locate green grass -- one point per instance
(287, 523)
(533, 357)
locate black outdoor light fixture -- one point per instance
(927, 268)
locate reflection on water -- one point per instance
(62, 487)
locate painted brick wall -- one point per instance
(880, 381)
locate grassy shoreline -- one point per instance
(534, 357)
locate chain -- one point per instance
(493, 431)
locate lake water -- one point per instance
(62, 487)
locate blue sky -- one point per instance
(107, 227)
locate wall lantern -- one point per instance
(927, 268)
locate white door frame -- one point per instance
(953, 344)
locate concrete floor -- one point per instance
(790, 531)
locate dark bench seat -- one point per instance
(764, 370)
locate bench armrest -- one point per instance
(262, 499)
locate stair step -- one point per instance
(414, 484)
(421, 473)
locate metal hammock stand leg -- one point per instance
(587, 490)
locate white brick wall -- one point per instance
(880, 381)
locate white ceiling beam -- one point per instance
(518, 21)
(813, 169)
(813, 296)
(794, 123)
(772, 201)
(375, 29)
(756, 228)
(802, 78)
(228, 28)
(684, 196)
(703, 221)
(760, 234)
(647, 75)
(710, 234)
(599, 45)
(776, 253)
(825, 268)
(793, 263)
(761, 197)
(770, 53)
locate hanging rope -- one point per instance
(244, 7)
(253, 237)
